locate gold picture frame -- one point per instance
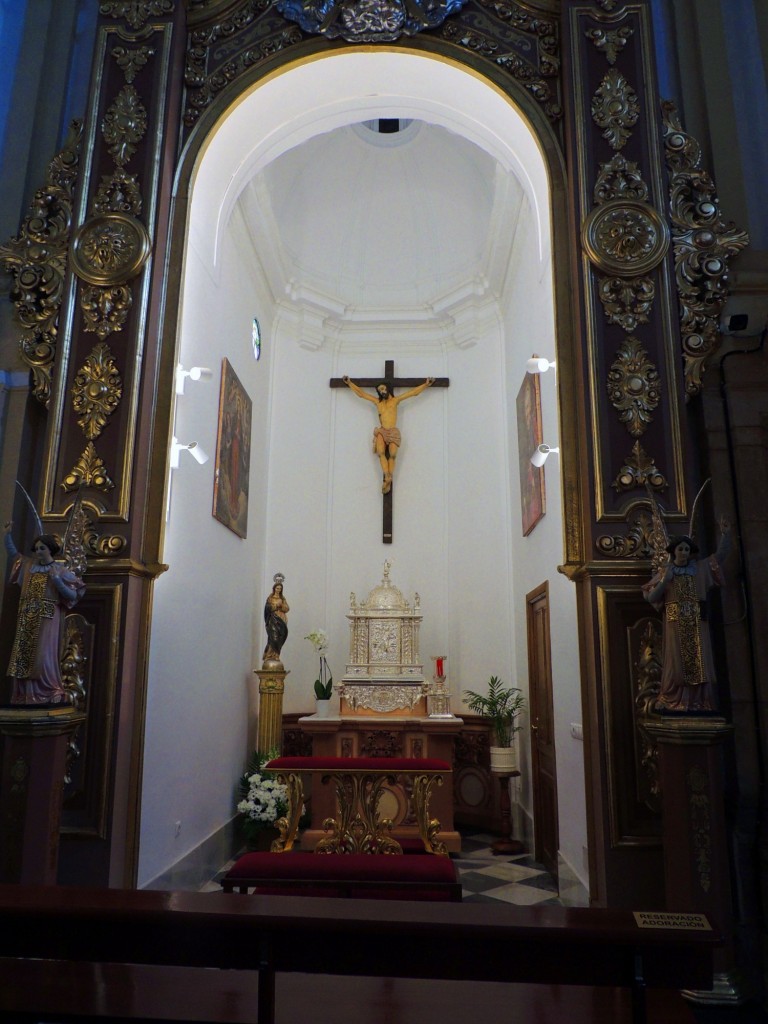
(233, 453)
(533, 496)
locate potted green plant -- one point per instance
(503, 705)
(324, 682)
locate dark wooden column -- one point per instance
(34, 750)
(101, 434)
(697, 872)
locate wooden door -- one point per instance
(542, 728)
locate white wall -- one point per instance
(200, 668)
(529, 322)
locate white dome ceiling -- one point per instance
(364, 221)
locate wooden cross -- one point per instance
(393, 382)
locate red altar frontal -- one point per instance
(387, 736)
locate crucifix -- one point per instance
(386, 437)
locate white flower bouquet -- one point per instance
(262, 799)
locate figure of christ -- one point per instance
(386, 437)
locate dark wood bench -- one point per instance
(352, 876)
(82, 953)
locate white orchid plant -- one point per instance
(324, 682)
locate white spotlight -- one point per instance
(195, 373)
(194, 450)
(538, 365)
(541, 455)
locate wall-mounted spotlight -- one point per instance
(539, 365)
(541, 455)
(194, 450)
(195, 373)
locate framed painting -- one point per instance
(529, 436)
(233, 453)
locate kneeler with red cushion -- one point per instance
(407, 876)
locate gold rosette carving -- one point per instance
(615, 108)
(96, 391)
(703, 243)
(131, 62)
(633, 386)
(110, 249)
(637, 542)
(88, 471)
(38, 261)
(124, 125)
(105, 310)
(639, 470)
(626, 301)
(136, 12)
(620, 179)
(610, 41)
(118, 193)
(624, 237)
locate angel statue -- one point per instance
(48, 588)
(679, 591)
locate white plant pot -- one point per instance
(323, 708)
(503, 759)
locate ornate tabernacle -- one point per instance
(384, 676)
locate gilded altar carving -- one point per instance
(110, 249)
(88, 471)
(37, 259)
(703, 243)
(104, 545)
(118, 192)
(124, 125)
(639, 470)
(368, 21)
(615, 108)
(636, 543)
(105, 310)
(610, 41)
(381, 698)
(136, 12)
(647, 688)
(620, 178)
(73, 660)
(625, 237)
(381, 743)
(131, 62)
(633, 386)
(96, 391)
(359, 828)
(626, 301)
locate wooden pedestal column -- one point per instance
(271, 689)
(34, 750)
(696, 867)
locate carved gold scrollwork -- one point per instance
(118, 193)
(110, 249)
(633, 386)
(615, 108)
(73, 660)
(96, 391)
(105, 310)
(360, 829)
(131, 62)
(38, 260)
(124, 125)
(620, 179)
(638, 471)
(104, 546)
(607, 5)
(647, 687)
(135, 12)
(626, 238)
(626, 301)
(610, 41)
(88, 471)
(636, 543)
(703, 243)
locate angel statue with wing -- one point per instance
(679, 591)
(48, 589)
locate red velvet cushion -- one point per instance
(363, 867)
(337, 764)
